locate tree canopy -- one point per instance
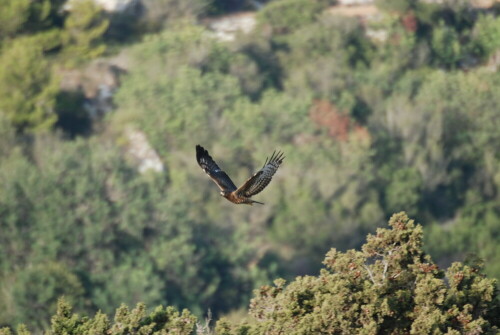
(389, 286)
(375, 116)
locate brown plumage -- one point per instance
(253, 185)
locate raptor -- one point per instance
(253, 185)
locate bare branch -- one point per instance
(370, 274)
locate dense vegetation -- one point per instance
(390, 287)
(398, 113)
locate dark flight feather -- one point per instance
(261, 178)
(213, 170)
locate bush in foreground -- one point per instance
(389, 287)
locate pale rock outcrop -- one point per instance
(113, 6)
(225, 28)
(142, 152)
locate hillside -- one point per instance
(102, 200)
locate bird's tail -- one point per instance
(256, 202)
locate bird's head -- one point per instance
(224, 194)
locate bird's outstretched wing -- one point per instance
(213, 170)
(261, 178)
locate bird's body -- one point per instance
(242, 194)
(238, 199)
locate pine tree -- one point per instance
(27, 86)
(83, 31)
(389, 287)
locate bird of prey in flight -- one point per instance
(253, 185)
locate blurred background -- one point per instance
(380, 107)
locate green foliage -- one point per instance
(7, 135)
(40, 13)
(27, 86)
(183, 104)
(28, 31)
(136, 321)
(28, 17)
(285, 16)
(13, 16)
(446, 45)
(391, 286)
(176, 94)
(404, 190)
(457, 34)
(323, 57)
(83, 31)
(21, 330)
(486, 35)
(471, 234)
(162, 13)
(443, 118)
(125, 237)
(370, 123)
(400, 6)
(37, 287)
